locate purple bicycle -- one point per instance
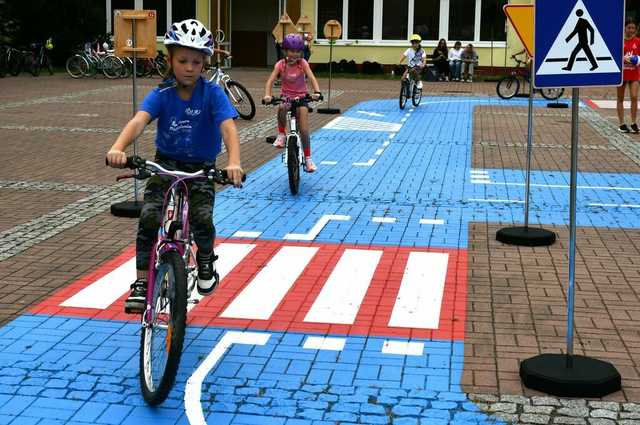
(171, 278)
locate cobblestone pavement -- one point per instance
(55, 230)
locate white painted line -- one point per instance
(405, 348)
(328, 162)
(260, 298)
(317, 228)
(501, 201)
(420, 297)
(479, 181)
(243, 234)
(478, 170)
(379, 152)
(369, 163)
(392, 135)
(87, 115)
(229, 256)
(359, 124)
(342, 294)
(407, 114)
(403, 120)
(106, 290)
(193, 389)
(565, 186)
(372, 114)
(610, 104)
(479, 173)
(324, 343)
(434, 221)
(411, 110)
(383, 219)
(386, 143)
(615, 205)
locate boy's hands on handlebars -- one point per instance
(235, 174)
(116, 158)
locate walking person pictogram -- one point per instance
(582, 29)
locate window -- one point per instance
(462, 20)
(160, 6)
(328, 10)
(181, 10)
(426, 19)
(395, 16)
(361, 19)
(492, 21)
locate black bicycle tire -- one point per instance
(560, 93)
(14, 64)
(293, 165)
(245, 93)
(418, 92)
(81, 72)
(179, 313)
(162, 66)
(107, 73)
(403, 95)
(3, 62)
(507, 79)
(35, 67)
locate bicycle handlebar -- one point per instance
(149, 168)
(297, 101)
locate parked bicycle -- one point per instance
(509, 86)
(293, 155)
(237, 93)
(172, 277)
(409, 90)
(41, 57)
(17, 60)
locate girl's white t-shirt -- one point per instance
(455, 55)
(414, 58)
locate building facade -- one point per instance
(373, 30)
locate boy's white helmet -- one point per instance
(190, 33)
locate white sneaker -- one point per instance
(310, 166)
(419, 85)
(279, 143)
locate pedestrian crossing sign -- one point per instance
(578, 43)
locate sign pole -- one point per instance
(333, 35)
(525, 235)
(135, 106)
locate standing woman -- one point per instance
(630, 76)
(441, 59)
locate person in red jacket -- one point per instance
(630, 77)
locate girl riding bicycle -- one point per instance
(416, 60)
(293, 70)
(194, 116)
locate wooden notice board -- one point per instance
(145, 23)
(283, 27)
(332, 30)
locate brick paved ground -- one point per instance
(54, 132)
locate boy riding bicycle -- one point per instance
(416, 60)
(194, 116)
(293, 70)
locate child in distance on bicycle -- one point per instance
(194, 116)
(292, 70)
(416, 60)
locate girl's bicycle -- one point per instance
(509, 86)
(293, 155)
(409, 90)
(172, 277)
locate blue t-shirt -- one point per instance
(189, 130)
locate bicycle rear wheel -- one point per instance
(112, 67)
(293, 164)
(403, 94)
(241, 100)
(162, 339)
(552, 94)
(508, 87)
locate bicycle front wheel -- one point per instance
(552, 94)
(293, 164)
(77, 66)
(508, 87)
(163, 336)
(416, 96)
(112, 67)
(241, 100)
